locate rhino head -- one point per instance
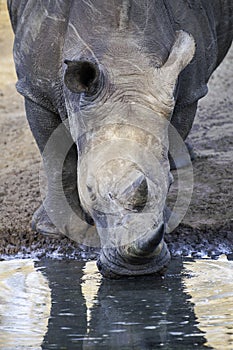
(119, 109)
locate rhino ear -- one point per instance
(80, 76)
(181, 55)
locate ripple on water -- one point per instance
(210, 285)
(25, 304)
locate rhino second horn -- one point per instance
(134, 196)
(128, 189)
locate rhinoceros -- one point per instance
(104, 82)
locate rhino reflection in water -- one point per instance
(120, 72)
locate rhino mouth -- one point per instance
(113, 265)
(146, 255)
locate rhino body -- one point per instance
(102, 81)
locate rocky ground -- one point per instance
(208, 224)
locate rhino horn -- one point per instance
(146, 246)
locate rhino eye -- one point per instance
(81, 76)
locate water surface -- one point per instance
(210, 284)
(62, 304)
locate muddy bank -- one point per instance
(208, 223)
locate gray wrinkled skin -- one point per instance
(115, 72)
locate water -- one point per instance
(57, 304)
(211, 288)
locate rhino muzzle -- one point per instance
(137, 259)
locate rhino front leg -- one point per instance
(60, 212)
(182, 121)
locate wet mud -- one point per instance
(208, 224)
